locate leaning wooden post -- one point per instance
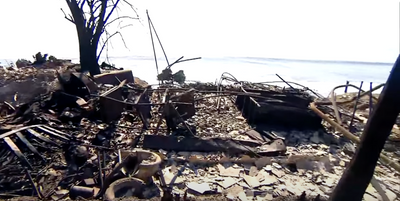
(358, 174)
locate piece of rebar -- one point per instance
(347, 86)
(158, 38)
(285, 81)
(100, 170)
(355, 106)
(358, 174)
(189, 59)
(28, 173)
(175, 62)
(152, 41)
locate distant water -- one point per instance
(320, 76)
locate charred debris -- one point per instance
(113, 135)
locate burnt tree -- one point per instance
(91, 17)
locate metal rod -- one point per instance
(189, 59)
(158, 38)
(100, 170)
(152, 41)
(285, 81)
(175, 62)
(347, 84)
(355, 106)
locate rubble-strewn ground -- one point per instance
(246, 164)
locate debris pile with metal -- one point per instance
(115, 136)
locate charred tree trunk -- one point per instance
(88, 58)
(357, 176)
(88, 36)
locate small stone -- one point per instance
(329, 182)
(277, 166)
(268, 168)
(240, 118)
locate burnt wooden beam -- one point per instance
(358, 174)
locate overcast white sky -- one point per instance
(343, 30)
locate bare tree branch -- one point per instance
(108, 38)
(119, 18)
(70, 18)
(100, 24)
(132, 7)
(112, 10)
(83, 3)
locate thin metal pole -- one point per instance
(159, 41)
(347, 84)
(358, 174)
(152, 41)
(355, 105)
(285, 82)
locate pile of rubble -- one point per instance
(113, 135)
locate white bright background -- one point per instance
(219, 30)
(333, 30)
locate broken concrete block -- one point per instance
(253, 182)
(228, 182)
(229, 172)
(199, 187)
